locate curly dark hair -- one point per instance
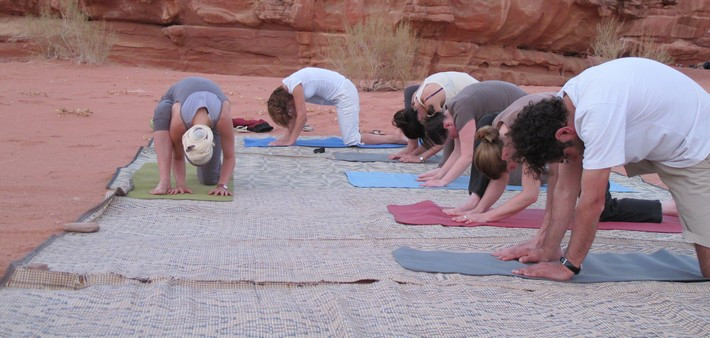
(533, 134)
(278, 106)
(434, 126)
(406, 120)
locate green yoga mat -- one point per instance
(146, 178)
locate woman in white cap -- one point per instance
(193, 120)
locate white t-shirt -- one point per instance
(451, 82)
(633, 109)
(320, 86)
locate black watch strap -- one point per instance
(567, 264)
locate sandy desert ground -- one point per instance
(65, 128)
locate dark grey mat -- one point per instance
(605, 267)
(375, 157)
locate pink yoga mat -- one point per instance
(428, 213)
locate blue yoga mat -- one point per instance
(375, 157)
(328, 142)
(605, 267)
(376, 179)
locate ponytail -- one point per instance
(488, 155)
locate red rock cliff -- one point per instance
(533, 42)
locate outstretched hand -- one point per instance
(220, 191)
(470, 217)
(452, 212)
(410, 159)
(395, 156)
(434, 183)
(160, 190)
(527, 252)
(180, 190)
(431, 174)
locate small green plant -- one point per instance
(375, 54)
(69, 35)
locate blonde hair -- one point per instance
(488, 156)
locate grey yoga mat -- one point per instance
(603, 267)
(374, 157)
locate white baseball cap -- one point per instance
(198, 142)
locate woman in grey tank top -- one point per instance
(194, 104)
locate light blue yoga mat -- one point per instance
(376, 179)
(605, 267)
(328, 142)
(375, 157)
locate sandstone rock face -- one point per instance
(530, 42)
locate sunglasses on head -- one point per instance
(431, 112)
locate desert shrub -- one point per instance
(646, 47)
(375, 54)
(609, 45)
(70, 34)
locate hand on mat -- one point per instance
(409, 158)
(180, 190)
(160, 190)
(470, 217)
(527, 252)
(434, 183)
(431, 174)
(453, 212)
(548, 270)
(220, 191)
(395, 156)
(281, 142)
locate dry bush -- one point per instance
(646, 47)
(375, 54)
(69, 35)
(608, 44)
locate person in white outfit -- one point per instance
(287, 106)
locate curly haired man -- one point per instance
(633, 112)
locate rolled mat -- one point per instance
(428, 213)
(602, 267)
(147, 177)
(375, 179)
(328, 142)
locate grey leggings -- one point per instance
(208, 173)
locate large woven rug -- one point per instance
(302, 252)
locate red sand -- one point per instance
(56, 167)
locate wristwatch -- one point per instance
(223, 186)
(421, 159)
(567, 264)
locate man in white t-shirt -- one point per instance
(287, 106)
(633, 112)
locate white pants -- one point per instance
(347, 105)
